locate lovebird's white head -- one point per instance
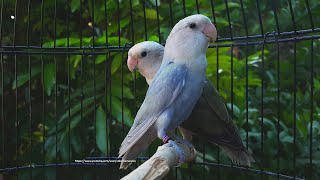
(190, 37)
(145, 57)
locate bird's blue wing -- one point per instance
(165, 88)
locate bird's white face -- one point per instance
(191, 35)
(145, 57)
(195, 24)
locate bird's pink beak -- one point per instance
(132, 63)
(211, 32)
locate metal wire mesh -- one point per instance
(66, 93)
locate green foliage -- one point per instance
(101, 128)
(78, 105)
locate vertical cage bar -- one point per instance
(171, 15)
(56, 86)
(292, 16)
(1, 21)
(275, 16)
(106, 22)
(213, 12)
(232, 86)
(83, 125)
(309, 14)
(260, 18)
(145, 21)
(262, 103)
(158, 21)
(197, 5)
(218, 89)
(29, 93)
(2, 114)
(2, 91)
(131, 19)
(110, 94)
(294, 107)
(247, 79)
(94, 77)
(229, 21)
(105, 76)
(278, 105)
(43, 93)
(311, 102)
(16, 84)
(108, 121)
(184, 8)
(81, 79)
(118, 19)
(69, 70)
(245, 23)
(106, 95)
(80, 22)
(247, 101)
(122, 120)
(231, 80)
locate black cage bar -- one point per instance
(67, 96)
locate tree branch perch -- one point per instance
(158, 166)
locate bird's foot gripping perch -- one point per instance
(186, 142)
(179, 150)
(182, 147)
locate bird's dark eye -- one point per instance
(192, 25)
(143, 54)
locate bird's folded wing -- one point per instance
(214, 100)
(165, 88)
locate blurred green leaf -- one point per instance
(22, 79)
(222, 7)
(116, 63)
(150, 14)
(101, 58)
(75, 120)
(153, 38)
(101, 130)
(77, 108)
(63, 42)
(117, 91)
(75, 4)
(76, 142)
(118, 111)
(64, 147)
(285, 137)
(49, 77)
(236, 110)
(112, 40)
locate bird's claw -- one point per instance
(179, 150)
(186, 142)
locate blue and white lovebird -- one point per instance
(209, 119)
(175, 88)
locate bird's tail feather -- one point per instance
(139, 147)
(127, 159)
(239, 157)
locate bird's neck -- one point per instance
(149, 72)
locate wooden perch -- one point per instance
(158, 166)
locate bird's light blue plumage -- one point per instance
(175, 88)
(164, 91)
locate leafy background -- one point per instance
(57, 107)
